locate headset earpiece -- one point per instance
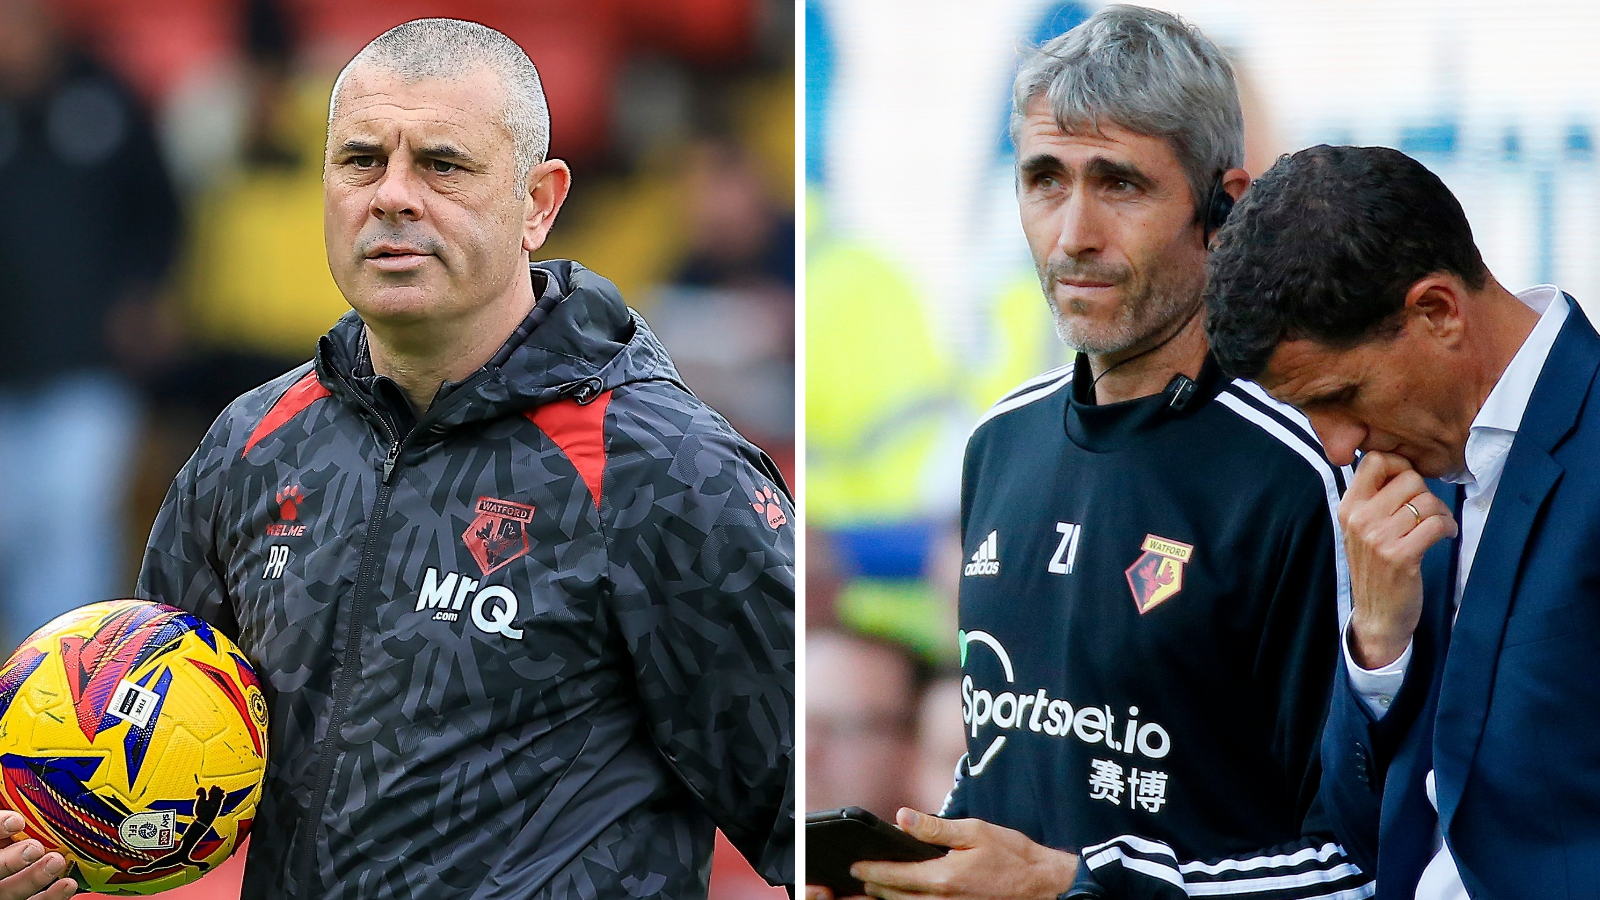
(1218, 204)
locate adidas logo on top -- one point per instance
(987, 560)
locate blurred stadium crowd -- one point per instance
(161, 233)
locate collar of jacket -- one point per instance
(590, 343)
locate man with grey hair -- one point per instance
(522, 606)
(1149, 615)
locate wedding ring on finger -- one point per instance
(1414, 512)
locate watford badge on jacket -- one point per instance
(1157, 575)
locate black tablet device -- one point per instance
(837, 838)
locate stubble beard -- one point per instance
(1148, 307)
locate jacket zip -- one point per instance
(352, 654)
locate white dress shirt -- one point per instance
(1488, 442)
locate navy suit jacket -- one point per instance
(1504, 705)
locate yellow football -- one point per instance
(133, 739)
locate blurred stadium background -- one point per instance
(161, 237)
(922, 307)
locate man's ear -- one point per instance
(1234, 181)
(548, 183)
(1435, 302)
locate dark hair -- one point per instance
(1325, 246)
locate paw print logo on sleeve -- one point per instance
(766, 503)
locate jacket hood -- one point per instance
(590, 334)
(590, 342)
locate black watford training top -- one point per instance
(1150, 604)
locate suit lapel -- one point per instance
(1529, 476)
(1469, 666)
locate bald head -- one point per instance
(451, 48)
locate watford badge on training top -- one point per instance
(1157, 575)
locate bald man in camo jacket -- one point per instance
(523, 604)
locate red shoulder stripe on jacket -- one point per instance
(579, 430)
(294, 401)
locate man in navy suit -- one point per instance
(1462, 751)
